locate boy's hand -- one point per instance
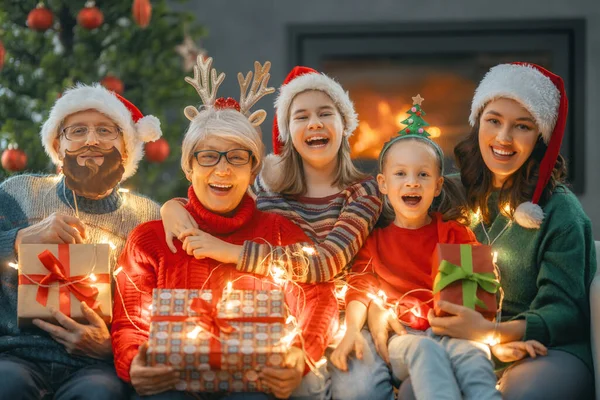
(353, 341)
(515, 351)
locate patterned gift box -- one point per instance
(464, 274)
(62, 276)
(218, 344)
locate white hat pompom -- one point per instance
(148, 128)
(529, 215)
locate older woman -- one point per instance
(513, 176)
(221, 156)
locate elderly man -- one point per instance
(97, 137)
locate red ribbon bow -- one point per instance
(208, 316)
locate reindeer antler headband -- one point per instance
(206, 82)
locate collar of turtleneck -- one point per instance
(213, 223)
(106, 205)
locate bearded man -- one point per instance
(97, 138)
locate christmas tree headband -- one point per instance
(206, 82)
(414, 130)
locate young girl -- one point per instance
(396, 260)
(513, 174)
(310, 180)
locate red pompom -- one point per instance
(222, 103)
(157, 151)
(40, 18)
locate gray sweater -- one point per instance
(26, 200)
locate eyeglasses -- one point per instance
(209, 158)
(78, 133)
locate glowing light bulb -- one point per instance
(123, 190)
(341, 293)
(150, 307)
(490, 340)
(507, 208)
(193, 334)
(13, 265)
(278, 274)
(290, 319)
(382, 295)
(93, 277)
(287, 339)
(495, 257)
(117, 271)
(321, 362)
(308, 250)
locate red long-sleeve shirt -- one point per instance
(150, 264)
(398, 261)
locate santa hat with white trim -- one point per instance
(137, 129)
(301, 79)
(543, 94)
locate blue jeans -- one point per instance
(442, 367)
(21, 379)
(369, 378)
(312, 387)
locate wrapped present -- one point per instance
(63, 276)
(464, 274)
(218, 343)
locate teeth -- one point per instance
(314, 138)
(220, 186)
(502, 152)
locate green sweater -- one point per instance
(546, 273)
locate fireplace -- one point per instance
(384, 66)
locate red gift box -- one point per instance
(464, 275)
(218, 343)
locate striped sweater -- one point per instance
(338, 225)
(26, 200)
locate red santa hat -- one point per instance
(137, 129)
(543, 94)
(301, 79)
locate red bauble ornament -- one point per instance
(40, 18)
(222, 103)
(90, 17)
(407, 130)
(418, 113)
(2, 54)
(142, 12)
(113, 83)
(13, 159)
(157, 151)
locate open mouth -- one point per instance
(317, 141)
(502, 154)
(411, 199)
(220, 188)
(91, 156)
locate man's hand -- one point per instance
(200, 245)
(151, 380)
(382, 321)
(91, 340)
(57, 228)
(353, 341)
(515, 351)
(283, 381)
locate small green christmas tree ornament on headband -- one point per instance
(415, 123)
(415, 128)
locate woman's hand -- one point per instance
(382, 321)
(464, 323)
(200, 244)
(353, 341)
(283, 381)
(151, 380)
(175, 220)
(515, 351)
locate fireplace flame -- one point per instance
(375, 130)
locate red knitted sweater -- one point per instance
(150, 264)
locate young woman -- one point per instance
(513, 176)
(311, 181)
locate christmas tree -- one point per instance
(415, 123)
(131, 46)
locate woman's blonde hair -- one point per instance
(227, 124)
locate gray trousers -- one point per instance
(441, 367)
(556, 376)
